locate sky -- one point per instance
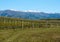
(38, 5)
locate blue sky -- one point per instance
(41, 5)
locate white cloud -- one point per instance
(13, 9)
(31, 11)
(25, 10)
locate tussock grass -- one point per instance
(30, 35)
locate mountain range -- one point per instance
(29, 15)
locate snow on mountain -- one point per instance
(28, 14)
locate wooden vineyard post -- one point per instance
(22, 24)
(33, 25)
(27, 24)
(47, 24)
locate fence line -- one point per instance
(12, 23)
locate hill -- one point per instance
(29, 15)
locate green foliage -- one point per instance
(6, 22)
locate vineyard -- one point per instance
(24, 30)
(22, 23)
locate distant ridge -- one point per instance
(32, 15)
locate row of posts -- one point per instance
(39, 25)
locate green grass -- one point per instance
(21, 30)
(30, 35)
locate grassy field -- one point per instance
(30, 35)
(21, 30)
